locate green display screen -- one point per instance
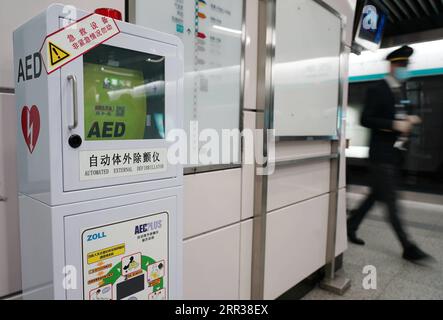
(123, 95)
(112, 110)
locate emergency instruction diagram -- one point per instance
(127, 260)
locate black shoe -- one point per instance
(352, 237)
(413, 253)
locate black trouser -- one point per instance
(383, 189)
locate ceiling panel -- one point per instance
(411, 16)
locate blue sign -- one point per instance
(372, 23)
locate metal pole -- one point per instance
(332, 282)
(263, 122)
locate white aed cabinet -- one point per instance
(100, 204)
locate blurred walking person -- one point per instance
(385, 114)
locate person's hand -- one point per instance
(402, 126)
(415, 120)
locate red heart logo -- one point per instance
(31, 126)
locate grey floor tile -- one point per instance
(396, 278)
(438, 236)
(401, 289)
(431, 275)
(381, 250)
(434, 246)
(356, 291)
(383, 263)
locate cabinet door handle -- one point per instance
(74, 101)
(3, 199)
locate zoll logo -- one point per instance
(30, 126)
(96, 236)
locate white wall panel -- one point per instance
(295, 244)
(295, 149)
(295, 183)
(291, 184)
(15, 13)
(211, 265)
(212, 200)
(10, 277)
(245, 259)
(306, 63)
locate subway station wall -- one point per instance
(219, 205)
(298, 199)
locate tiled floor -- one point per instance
(396, 278)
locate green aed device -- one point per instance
(115, 107)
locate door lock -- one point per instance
(75, 141)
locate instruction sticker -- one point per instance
(106, 253)
(121, 163)
(67, 44)
(140, 272)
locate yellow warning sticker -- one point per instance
(56, 54)
(106, 253)
(70, 42)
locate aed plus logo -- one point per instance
(370, 18)
(151, 226)
(95, 236)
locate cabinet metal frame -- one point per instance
(265, 121)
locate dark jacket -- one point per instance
(378, 115)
